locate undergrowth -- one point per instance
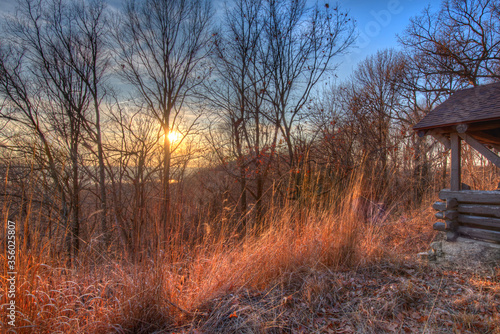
(305, 268)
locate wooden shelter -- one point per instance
(471, 116)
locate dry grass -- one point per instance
(161, 294)
(308, 270)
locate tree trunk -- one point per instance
(166, 186)
(75, 229)
(102, 178)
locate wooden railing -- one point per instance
(469, 213)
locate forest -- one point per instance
(193, 166)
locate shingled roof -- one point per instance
(478, 104)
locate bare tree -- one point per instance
(236, 93)
(91, 63)
(161, 48)
(132, 148)
(376, 103)
(45, 32)
(269, 56)
(58, 50)
(302, 43)
(457, 46)
(26, 108)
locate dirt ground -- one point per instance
(406, 297)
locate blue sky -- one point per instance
(378, 22)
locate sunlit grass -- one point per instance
(159, 294)
(295, 257)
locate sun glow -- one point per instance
(174, 136)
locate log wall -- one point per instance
(469, 213)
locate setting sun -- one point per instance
(174, 136)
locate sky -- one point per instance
(378, 22)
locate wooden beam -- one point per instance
(451, 225)
(488, 125)
(451, 203)
(455, 175)
(472, 196)
(480, 209)
(492, 157)
(448, 214)
(479, 233)
(440, 138)
(486, 222)
(486, 138)
(439, 226)
(439, 206)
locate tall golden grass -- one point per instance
(175, 286)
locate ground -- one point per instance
(409, 297)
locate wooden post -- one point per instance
(455, 162)
(451, 219)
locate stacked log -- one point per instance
(469, 213)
